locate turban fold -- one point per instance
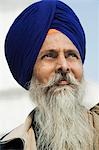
(28, 32)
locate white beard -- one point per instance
(62, 118)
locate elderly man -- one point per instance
(45, 50)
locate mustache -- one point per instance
(70, 79)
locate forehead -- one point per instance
(57, 40)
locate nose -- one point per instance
(62, 66)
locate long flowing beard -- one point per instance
(61, 117)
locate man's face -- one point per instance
(58, 54)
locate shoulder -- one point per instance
(13, 140)
(22, 136)
(94, 112)
(95, 109)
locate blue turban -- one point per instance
(28, 32)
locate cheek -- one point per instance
(77, 70)
(43, 72)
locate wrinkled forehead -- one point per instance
(57, 40)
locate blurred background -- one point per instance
(15, 103)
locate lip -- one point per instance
(62, 83)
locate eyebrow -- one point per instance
(65, 51)
(72, 51)
(47, 51)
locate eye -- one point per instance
(49, 55)
(72, 55)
